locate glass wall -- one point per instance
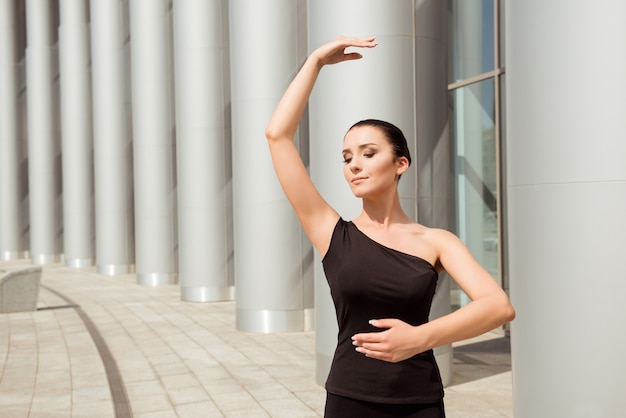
(474, 85)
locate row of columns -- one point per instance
(165, 169)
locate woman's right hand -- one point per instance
(334, 51)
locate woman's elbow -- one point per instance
(270, 133)
(274, 134)
(508, 311)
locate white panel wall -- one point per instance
(567, 185)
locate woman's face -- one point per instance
(370, 166)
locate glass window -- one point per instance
(471, 38)
(476, 174)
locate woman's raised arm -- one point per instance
(315, 215)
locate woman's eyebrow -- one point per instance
(369, 144)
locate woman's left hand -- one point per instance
(396, 343)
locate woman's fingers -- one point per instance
(334, 51)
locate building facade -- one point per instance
(132, 141)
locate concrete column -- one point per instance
(12, 183)
(272, 257)
(203, 150)
(44, 143)
(345, 94)
(566, 182)
(110, 45)
(77, 139)
(433, 148)
(153, 145)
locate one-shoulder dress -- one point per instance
(371, 281)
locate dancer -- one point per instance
(382, 267)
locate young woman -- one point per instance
(382, 267)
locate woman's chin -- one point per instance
(359, 194)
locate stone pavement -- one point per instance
(103, 346)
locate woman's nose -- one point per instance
(355, 167)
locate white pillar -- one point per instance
(44, 144)
(203, 150)
(272, 256)
(433, 148)
(346, 94)
(112, 137)
(12, 188)
(77, 139)
(566, 203)
(153, 145)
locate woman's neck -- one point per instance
(382, 212)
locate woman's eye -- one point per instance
(369, 154)
(347, 160)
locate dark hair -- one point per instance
(393, 134)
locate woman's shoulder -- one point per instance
(432, 240)
(436, 236)
(426, 232)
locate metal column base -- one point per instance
(80, 263)
(156, 279)
(47, 258)
(14, 255)
(266, 321)
(115, 269)
(207, 293)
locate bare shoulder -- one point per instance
(445, 243)
(433, 236)
(436, 242)
(439, 236)
(426, 242)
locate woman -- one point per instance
(382, 267)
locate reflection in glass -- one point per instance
(471, 38)
(476, 174)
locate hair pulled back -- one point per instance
(393, 134)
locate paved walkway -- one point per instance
(103, 346)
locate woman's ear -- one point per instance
(402, 165)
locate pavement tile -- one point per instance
(288, 408)
(206, 409)
(189, 394)
(151, 403)
(97, 409)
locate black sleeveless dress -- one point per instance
(370, 281)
